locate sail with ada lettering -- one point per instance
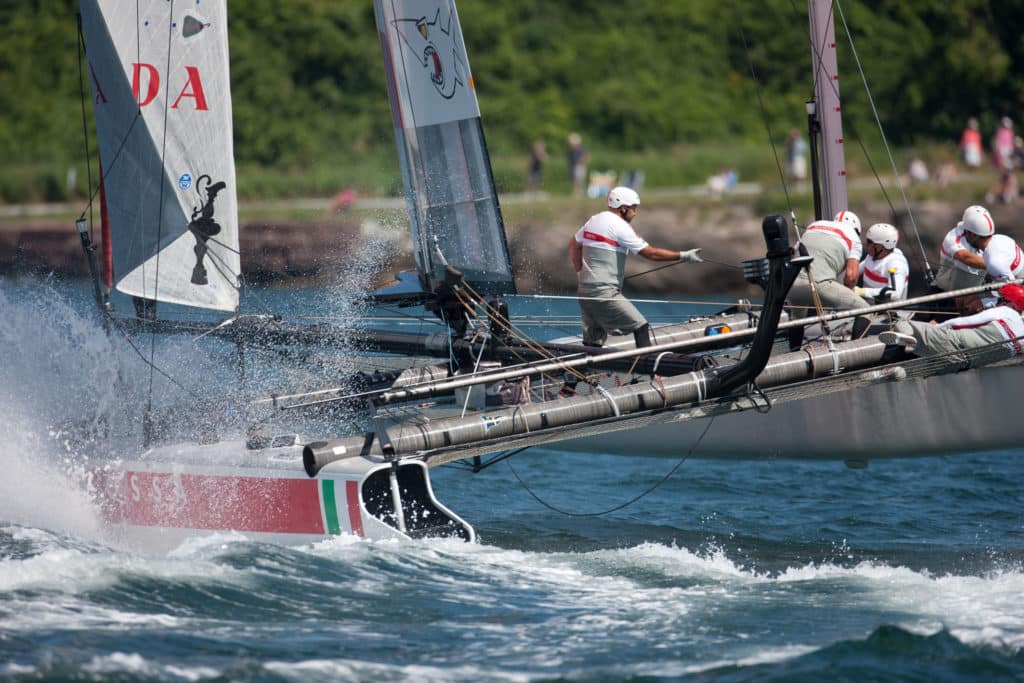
(452, 203)
(162, 101)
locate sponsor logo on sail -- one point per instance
(432, 44)
(184, 181)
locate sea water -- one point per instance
(726, 571)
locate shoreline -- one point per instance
(323, 244)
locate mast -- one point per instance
(828, 111)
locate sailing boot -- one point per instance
(860, 327)
(642, 336)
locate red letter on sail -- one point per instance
(154, 82)
(193, 88)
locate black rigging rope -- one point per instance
(620, 506)
(85, 125)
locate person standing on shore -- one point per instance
(970, 144)
(598, 252)
(578, 158)
(538, 155)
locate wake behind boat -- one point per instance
(726, 386)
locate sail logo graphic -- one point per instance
(433, 45)
(203, 226)
(192, 26)
(491, 422)
(184, 181)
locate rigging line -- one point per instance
(764, 115)
(676, 263)
(620, 506)
(152, 366)
(689, 302)
(520, 334)
(885, 141)
(854, 133)
(224, 244)
(85, 125)
(508, 327)
(160, 203)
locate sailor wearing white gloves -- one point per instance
(598, 252)
(885, 272)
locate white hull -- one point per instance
(966, 411)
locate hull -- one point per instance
(964, 411)
(175, 493)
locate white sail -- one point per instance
(453, 206)
(162, 101)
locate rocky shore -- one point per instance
(728, 232)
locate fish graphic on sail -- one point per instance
(162, 102)
(453, 206)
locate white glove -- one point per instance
(691, 256)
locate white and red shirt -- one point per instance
(1003, 259)
(1003, 318)
(954, 274)
(606, 240)
(831, 244)
(890, 271)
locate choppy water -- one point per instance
(909, 570)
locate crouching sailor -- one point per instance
(836, 248)
(885, 272)
(1000, 327)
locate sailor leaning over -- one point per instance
(992, 326)
(836, 248)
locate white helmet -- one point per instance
(622, 196)
(978, 220)
(849, 218)
(884, 234)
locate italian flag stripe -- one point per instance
(330, 507)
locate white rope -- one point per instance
(604, 392)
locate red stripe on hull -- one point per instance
(193, 501)
(355, 517)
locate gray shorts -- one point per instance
(605, 312)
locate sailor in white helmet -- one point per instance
(1003, 258)
(885, 272)
(961, 259)
(1000, 328)
(836, 248)
(598, 252)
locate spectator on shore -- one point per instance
(970, 144)
(578, 158)
(918, 170)
(538, 155)
(796, 155)
(1005, 188)
(946, 174)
